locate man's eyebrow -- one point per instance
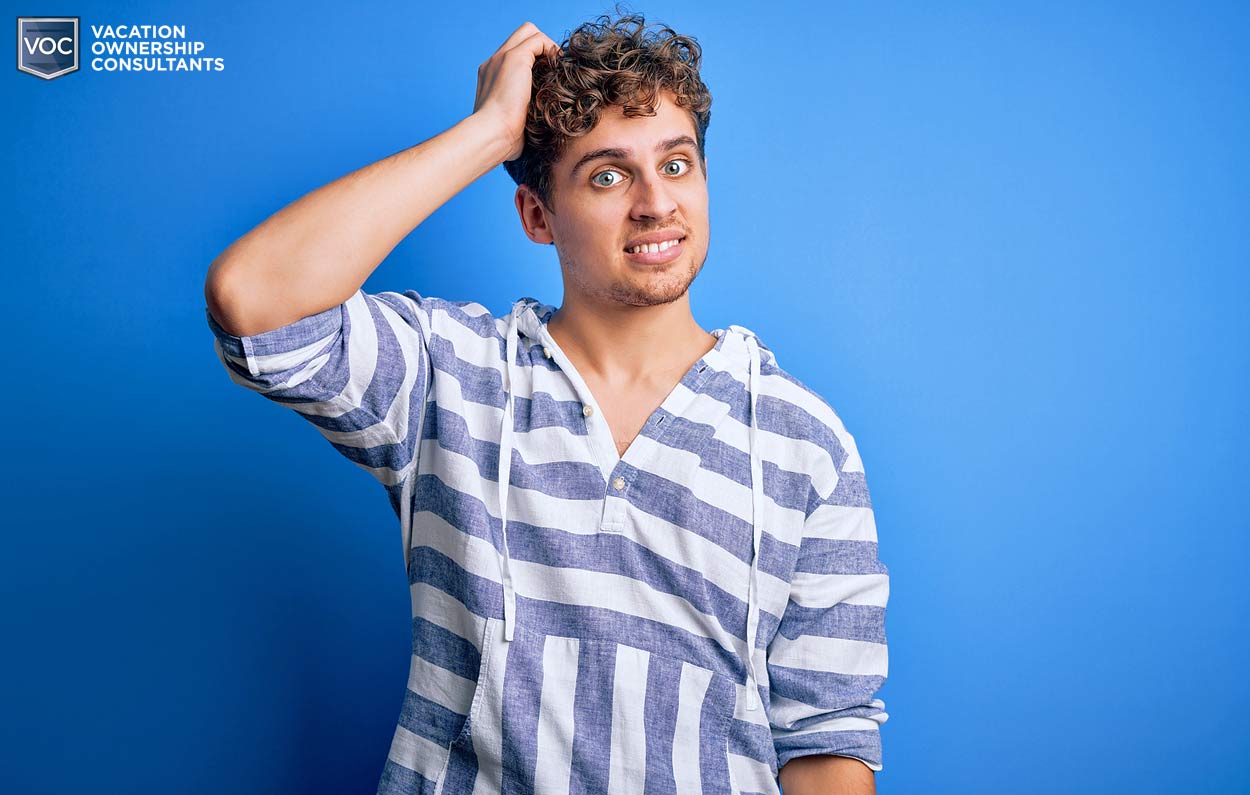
(616, 152)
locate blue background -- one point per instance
(1009, 246)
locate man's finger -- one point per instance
(536, 44)
(526, 30)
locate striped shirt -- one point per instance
(683, 618)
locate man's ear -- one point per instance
(533, 216)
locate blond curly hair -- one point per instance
(602, 64)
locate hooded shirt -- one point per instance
(683, 618)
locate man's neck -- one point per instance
(628, 344)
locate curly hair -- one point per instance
(604, 64)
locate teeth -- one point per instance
(653, 248)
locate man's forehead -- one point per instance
(611, 131)
(580, 157)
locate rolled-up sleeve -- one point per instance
(359, 372)
(829, 657)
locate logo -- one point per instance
(47, 47)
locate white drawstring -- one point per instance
(405, 514)
(505, 475)
(757, 525)
(405, 491)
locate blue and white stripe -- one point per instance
(597, 640)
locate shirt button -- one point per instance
(587, 410)
(619, 483)
(546, 352)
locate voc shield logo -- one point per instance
(47, 47)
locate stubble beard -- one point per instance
(663, 285)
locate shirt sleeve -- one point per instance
(359, 372)
(829, 656)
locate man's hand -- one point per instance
(505, 82)
(822, 774)
(316, 252)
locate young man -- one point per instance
(642, 556)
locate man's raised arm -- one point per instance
(316, 252)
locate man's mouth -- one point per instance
(654, 248)
(656, 253)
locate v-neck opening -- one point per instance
(695, 374)
(600, 435)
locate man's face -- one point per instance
(656, 184)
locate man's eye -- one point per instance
(595, 178)
(678, 160)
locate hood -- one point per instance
(528, 317)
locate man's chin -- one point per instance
(652, 294)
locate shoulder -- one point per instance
(431, 310)
(821, 441)
(466, 329)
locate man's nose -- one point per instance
(654, 198)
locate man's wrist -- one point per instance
(498, 140)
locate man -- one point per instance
(676, 587)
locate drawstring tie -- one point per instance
(757, 525)
(505, 475)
